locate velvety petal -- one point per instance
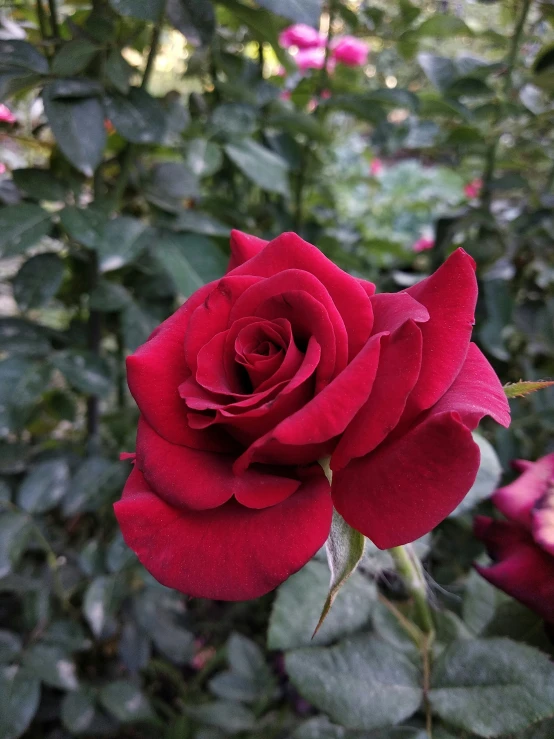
(368, 287)
(476, 392)
(188, 478)
(517, 500)
(502, 538)
(405, 488)
(327, 414)
(275, 290)
(289, 251)
(154, 373)
(398, 370)
(243, 247)
(227, 553)
(542, 521)
(449, 295)
(525, 572)
(391, 310)
(211, 316)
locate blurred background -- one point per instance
(134, 135)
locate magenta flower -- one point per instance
(302, 36)
(473, 188)
(423, 244)
(350, 51)
(522, 546)
(313, 59)
(6, 116)
(376, 167)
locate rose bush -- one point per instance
(282, 362)
(523, 545)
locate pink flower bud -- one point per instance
(376, 167)
(423, 244)
(302, 36)
(350, 51)
(6, 116)
(473, 188)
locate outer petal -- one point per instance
(328, 414)
(449, 295)
(405, 488)
(517, 500)
(154, 373)
(227, 553)
(399, 366)
(524, 570)
(391, 310)
(476, 392)
(289, 251)
(188, 478)
(243, 248)
(543, 521)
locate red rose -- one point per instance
(285, 360)
(523, 546)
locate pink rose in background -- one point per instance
(2, 168)
(6, 116)
(423, 244)
(376, 167)
(522, 545)
(473, 188)
(301, 35)
(285, 95)
(313, 59)
(350, 51)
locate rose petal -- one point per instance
(476, 392)
(405, 488)
(517, 500)
(502, 538)
(391, 310)
(449, 295)
(187, 478)
(243, 247)
(154, 373)
(328, 414)
(398, 370)
(542, 521)
(289, 251)
(227, 553)
(525, 572)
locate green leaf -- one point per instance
(44, 486)
(320, 727)
(22, 55)
(39, 184)
(261, 166)
(195, 19)
(84, 225)
(138, 117)
(362, 682)
(77, 710)
(232, 717)
(94, 484)
(84, 371)
(196, 222)
(234, 119)
(76, 87)
(525, 387)
(204, 157)
(22, 226)
(38, 280)
(160, 615)
(345, 549)
(298, 606)
(489, 686)
(479, 603)
(51, 666)
(74, 57)
(397, 98)
(249, 678)
(102, 600)
(118, 554)
(10, 646)
(121, 243)
(440, 70)
(137, 325)
(298, 11)
(15, 531)
(170, 184)
(19, 700)
(126, 702)
(443, 25)
(144, 10)
(119, 71)
(488, 477)
(78, 125)
(22, 382)
(190, 261)
(109, 297)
